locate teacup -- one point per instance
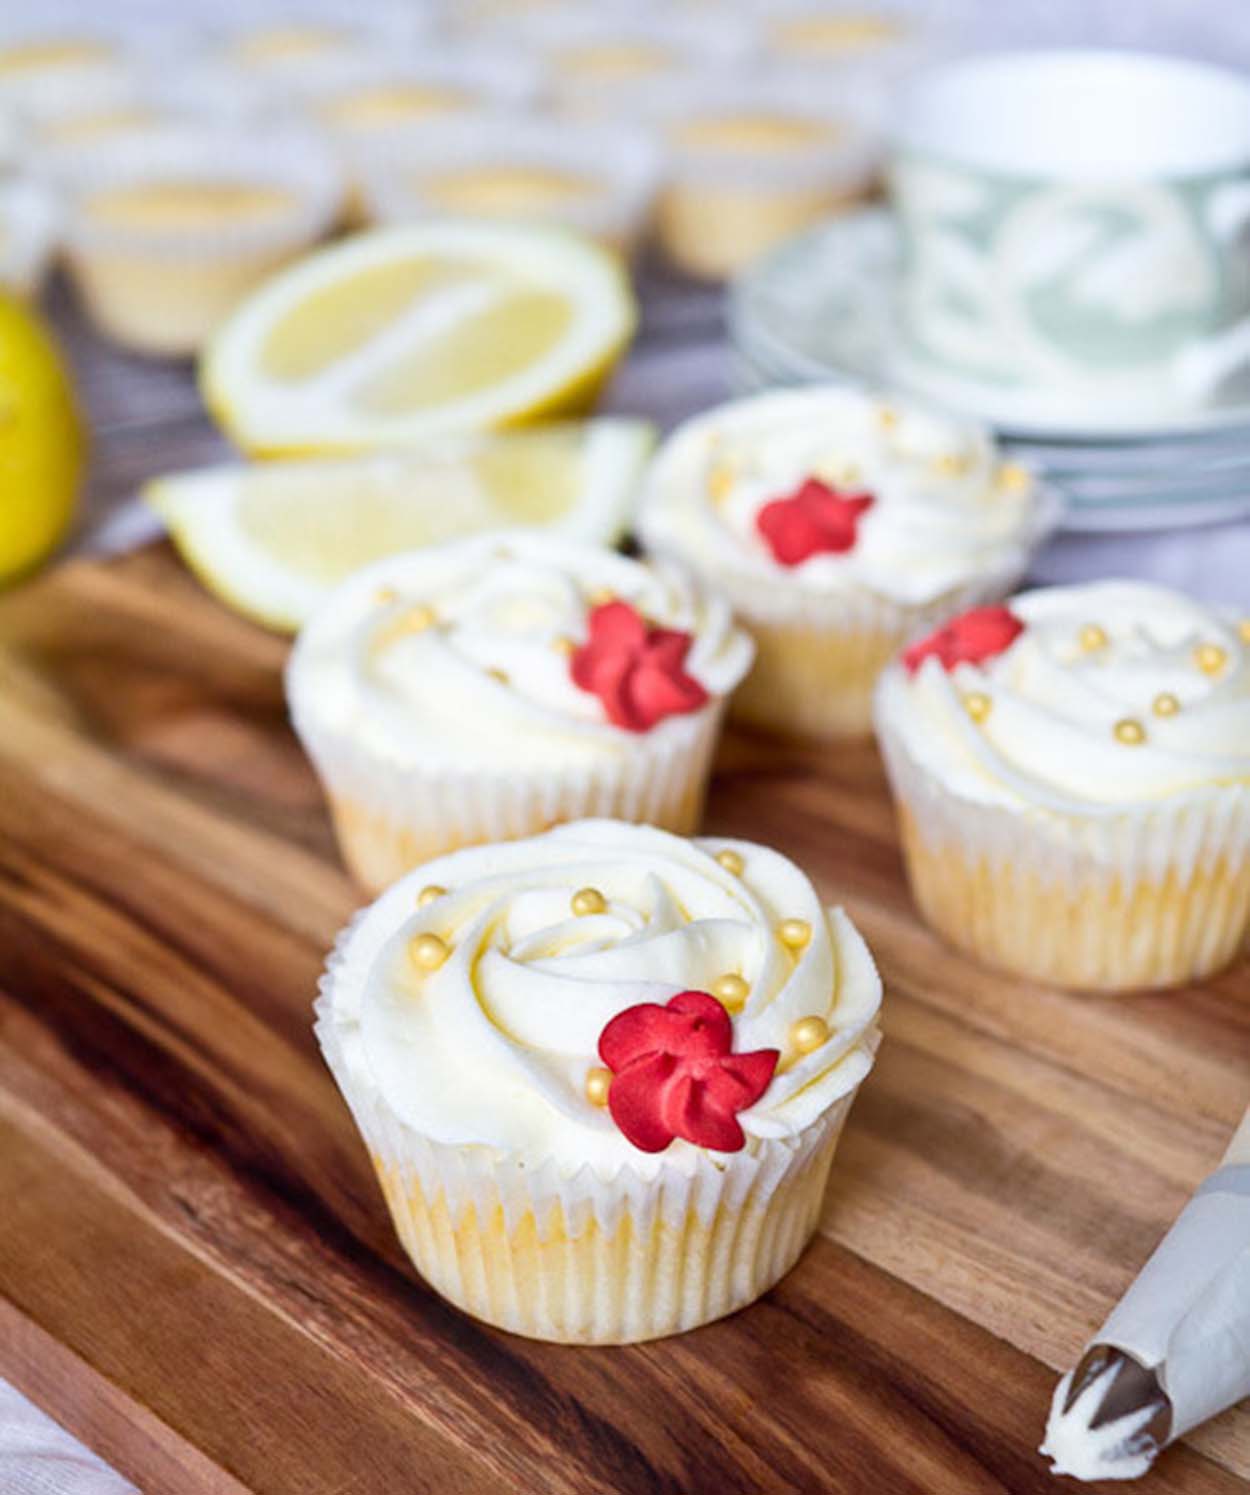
(1073, 228)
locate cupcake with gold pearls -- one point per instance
(838, 525)
(1072, 774)
(492, 687)
(601, 1073)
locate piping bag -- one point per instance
(1176, 1351)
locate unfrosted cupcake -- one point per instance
(1073, 782)
(493, 687)
(601, 1073)
(167, 231)
(838, 526)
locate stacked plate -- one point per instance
(822, 308)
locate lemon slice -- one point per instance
(404, 333)
(272, 540)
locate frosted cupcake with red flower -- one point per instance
(1072, 772)
(601, 1072)
(495, 686)
(839, 526)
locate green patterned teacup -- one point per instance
(1073, 229)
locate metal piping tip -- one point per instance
(1109, 1418)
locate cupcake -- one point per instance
(597, 179)
(838, 526)
(752, 162)
(601, 1073)
(1073, 781)
(167, 231)
(493, 687)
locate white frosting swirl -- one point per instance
(487, 684)
(1058, 693)
(494, 1046)
(946, 511)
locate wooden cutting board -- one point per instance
(198, 1275)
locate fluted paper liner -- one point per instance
(391, 817)
(1188, 1312)
(579, 1257)
(1145, 896)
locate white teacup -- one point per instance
(1074, 235)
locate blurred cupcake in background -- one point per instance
(877, 39)
(295, 44)
(167, 231)
(1072, 774)
(838, 525)
(49, 56)
(488, 688)
(600, 64)
(597, 179)
(751, 162)
(371, 107)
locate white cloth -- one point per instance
(38, 1457)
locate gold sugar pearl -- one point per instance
(1130, 732)
(598, 1084)
(385, 596)
(809, 1033)
(1243, 628)
(416, 619)
(731, 861)
(720, 482)
(497, 674)
(977, 704)
(951, 465)
(563, 644)
(429, 894)
(794, 933)
(1013, 478)
(1092, 637)
(887, 416)
(1210, 658)
(428, 952)
(731, 990)
(1165, 704)
(600, 596)
(588, 901)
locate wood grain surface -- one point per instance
(198, 1273)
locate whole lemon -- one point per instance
(42, 445)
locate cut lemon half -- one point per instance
(405, 333)
(272, 540)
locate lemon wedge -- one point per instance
(404, 333)
(271, 540)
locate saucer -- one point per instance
(822, 307)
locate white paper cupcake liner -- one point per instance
(579, 1257)
(1146, 896)
(391, 817)
(400, 174)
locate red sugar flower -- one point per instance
(968, 639)
(674, 1074)
(814, 520)
(636, 671)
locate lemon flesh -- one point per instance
(271, 540)
(402, 334)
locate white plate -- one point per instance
(822, 307)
